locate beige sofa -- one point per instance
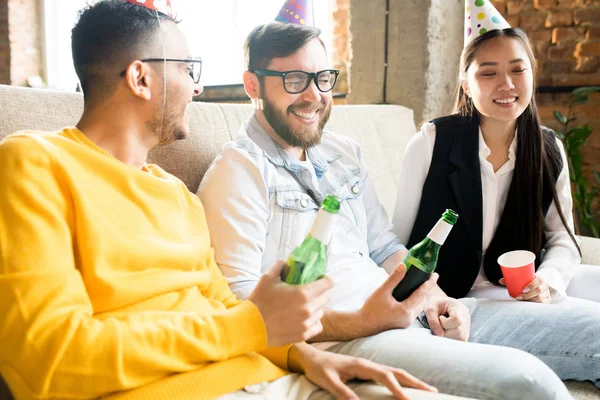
(382, 130)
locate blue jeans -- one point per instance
(499, 362)
(479, 371)
(566, 335)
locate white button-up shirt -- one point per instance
(561, 257)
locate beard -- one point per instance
(172, 128)
(304, 137)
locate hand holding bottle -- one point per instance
(292, 313)
(382, 312)
(421, 259)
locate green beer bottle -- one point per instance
(308, 262)
(421, 259)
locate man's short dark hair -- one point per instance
(276, 40)
(106, 38)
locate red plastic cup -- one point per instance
(518, 270)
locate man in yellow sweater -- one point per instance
(108, 284)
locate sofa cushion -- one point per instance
(382, 131)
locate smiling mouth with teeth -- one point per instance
(506, 101)
(305, 115)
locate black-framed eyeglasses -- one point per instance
(195, 68)
(297, 81)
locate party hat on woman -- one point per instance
(481, 16)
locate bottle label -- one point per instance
(440, 232)
(323, 226)
(412, 280)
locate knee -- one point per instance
(527, 377)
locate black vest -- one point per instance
(454, 181)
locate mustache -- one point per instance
(307, 107)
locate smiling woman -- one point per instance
(506, 205)
(215, 30)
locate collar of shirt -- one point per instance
(484, 152)
(320, 156)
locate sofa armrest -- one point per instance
(590, 250)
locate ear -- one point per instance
(465, 88)
(251, 85)
(138, 79)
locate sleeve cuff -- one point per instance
(553, 277)
(278, 355)
(255, 330)
(380, 255)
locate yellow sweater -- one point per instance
(108, 282)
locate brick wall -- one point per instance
(21, 53)
(566, 37)
(342, 49)
(565, 34)
(25, 34)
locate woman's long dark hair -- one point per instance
(538, 158)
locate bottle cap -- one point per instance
(331, 204)
(450, 216)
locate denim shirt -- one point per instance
(260, 205)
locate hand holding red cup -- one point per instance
(518, 270)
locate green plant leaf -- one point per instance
(589, 198)
(574, 130)
(574, 145)
(582, 186)
(582, 91)
(560, 117)
(572, 152)
(576, 161)
(578, 129)
(576, 137)
(584, 191)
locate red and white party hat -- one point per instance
(162, 6)
(297, 12)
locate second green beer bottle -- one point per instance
(308, 262)
(421, 259)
